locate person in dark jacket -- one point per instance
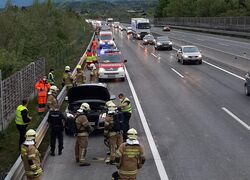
(56, 121)
(22, 120)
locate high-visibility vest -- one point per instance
(51, 79)
(127, 108)
(19, 118)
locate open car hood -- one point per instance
(88, 92)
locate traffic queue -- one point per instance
(90, 107)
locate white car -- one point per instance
(106, 37)
(189, 54)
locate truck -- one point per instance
(109, 21)
(140, 27)
(116, 24)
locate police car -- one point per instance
(111, 65)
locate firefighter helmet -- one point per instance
(78, 66)
(67, 68)
(92, 66)
(54, 88)
(132, 134)
(30, 134)
(85, 107)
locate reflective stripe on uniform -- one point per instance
(127, 172)
(127, 108)
(19, 118)
(83, 134)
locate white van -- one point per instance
(106, 37)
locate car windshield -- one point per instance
(163, 38)
(190, 49)
(143, 26)
(105, 37)
(111, 58)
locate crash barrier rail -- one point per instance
(17, 171)
(17, 87)
(223, 23)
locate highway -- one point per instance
(198, 114)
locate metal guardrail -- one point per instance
(17, 171)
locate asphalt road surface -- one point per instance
(198, 115)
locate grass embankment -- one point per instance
(58, 35)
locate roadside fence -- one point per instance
(17, 87)
(241, 23)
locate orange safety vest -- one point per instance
(42, 89)
(94, 45)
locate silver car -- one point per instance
(189, 54)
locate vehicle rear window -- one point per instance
(190, 49)
(111, 58)
(105, 37)
(163, 38)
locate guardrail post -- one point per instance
(1, 103)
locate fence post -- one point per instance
(1, 103)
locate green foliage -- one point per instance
(39, 31)
(182, 8)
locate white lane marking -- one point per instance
(236, 118)
(157, 158)
(223, 44)
(217, 67)
(141, 46)
(153, 55)
(177, 73)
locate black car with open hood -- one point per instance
(96, 95)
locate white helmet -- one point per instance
(84, 107)
(132, 134)
(92, 66)
(54, 88)
(111, 107)
(67, 68)
(30, 134)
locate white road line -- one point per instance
(236, 118)
(157, 158)
(223, 44)
(177, 73)
(153, 55)
(141, 46)
(217, 67)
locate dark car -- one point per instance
(148, 39)
(247, 84)
(166, 28)
(163, 42)
(96, 95)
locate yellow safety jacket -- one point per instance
(19, 118)
(90, 59)
(127, 108)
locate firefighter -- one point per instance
(52, 102)
(83, 129)
(67, 80)
(79, 77)
(125, 106)
(31, 157)
(22, 120)
(89, 58)
(51, 79)
(93, 73)
(129, 157)
(56, 121)
(113, 130)
(42, 88)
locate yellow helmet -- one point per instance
(78, 66)
(132, 134)
(30, 134)
(67, 68)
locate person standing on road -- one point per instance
(67, 80)
(51, 79)
(31, 157)
(113, 130)
(52, 102)
(130, 157)
(93, 73)
(83, 129)
(94, 46)
(79, 77)
(56, 121)
(22, 120)
(126, 108)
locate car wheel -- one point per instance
(171, 48)
(123, 79)
(100, 79)
(183, 62)
(247, 92)
(156, 48)
(200, 62)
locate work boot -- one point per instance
(52, 153)
(60, 153)
(84, 164)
